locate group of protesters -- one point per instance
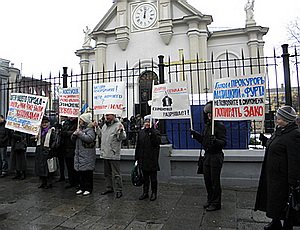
(72, 143)
(77, 144)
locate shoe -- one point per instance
(79, 192)
(107, 192)
(48, 186)
(69, 186)
(60, 180)
(3, 175)
(86, 193)
(213, 207)
(119, 195)
(144, 196)
(153, 196)
(16, 177)
(275, 224)
(206, 205)
(42, 186)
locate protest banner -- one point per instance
(69, 102)
(239, 98)
(25, 112)
(170, 101)
(108, 98)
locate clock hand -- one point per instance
(144, 13)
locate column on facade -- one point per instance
(198, 34)
(165, 21)
(100, 52)
(122, 29)
(84, 66)
(255, 46)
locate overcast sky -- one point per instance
(41, 36)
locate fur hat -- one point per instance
(86, 117)
(287, 113)
(45, 119)
(208, 107)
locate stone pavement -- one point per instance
(23, 206)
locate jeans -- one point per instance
(3, 160)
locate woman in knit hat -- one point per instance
(280, 169)
(85, 153)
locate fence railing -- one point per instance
(282, 87)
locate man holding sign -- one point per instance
(213, 144)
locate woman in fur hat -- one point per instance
(147, 155)
(280, 169)
(45, 138)
(85, 153)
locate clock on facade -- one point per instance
(144, 15)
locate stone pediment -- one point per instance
(180, 10)
(109, 20)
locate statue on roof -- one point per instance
(87, 37)
(249, 9)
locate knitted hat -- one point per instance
(287, 113)
(86, 117)
(208, 107)
(147, 117)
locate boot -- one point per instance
(153, 196)
(17, 176)
(23, 175)
(144, 196)
(274, 225)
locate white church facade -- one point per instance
(135, 33)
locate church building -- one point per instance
(136, 32)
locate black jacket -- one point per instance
(4, 135)
(68, 146)
(212, 146)
(147, 149)
(280, 169)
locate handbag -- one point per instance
(20, 146)
(137, 177)
(200, 163)
(52, 164)
(293, 206)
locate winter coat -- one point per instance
(111, 139)
(68, 146)
(147, 149)
(280, 168)
(4, 135)
(214, 155)
(85, 148)
(43, 153)
(17, 158)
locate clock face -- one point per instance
(144, 15)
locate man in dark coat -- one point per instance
(68, 149)
(213, 158)
(4, 136)
(147, 153)
(280, 169)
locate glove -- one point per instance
(263, 139)
(212, 139)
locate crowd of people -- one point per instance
(73, 143)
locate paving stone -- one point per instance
(178, 207)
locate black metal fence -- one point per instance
(282, 84)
